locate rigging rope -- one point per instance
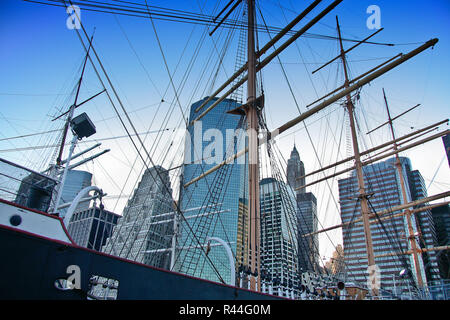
(134, 129)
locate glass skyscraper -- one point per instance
(390, 236)
(308, 254)
(212, 205)
(76, 180)
(441, 218)
(144, 232)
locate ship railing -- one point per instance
(25, 187)
(439, 289)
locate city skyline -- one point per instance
(37, 103)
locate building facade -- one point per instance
(279, 246)
(308, 254)
(92, 227)
(144, 232)
(212, 205)
(390, 232)
(307, 222)
(295, 171)
(426, 227)
(336, 265)
(34, 191)
(441, 218)
(76, 180)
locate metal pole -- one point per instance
(66, 168)
(82, 152)
(88, 159)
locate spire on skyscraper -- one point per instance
(295, 169)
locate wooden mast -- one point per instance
(411, 237)
(253, 157)
(363, 197)
(251, 109)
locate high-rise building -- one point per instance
(295, 171)
(145, 229)
(279, 246)
(441, 218)
(336, 265)
(308, 254)
(34, 191)
(92, 227)
(76, 180)
(213, 204)
(426, 226)
(390, 232)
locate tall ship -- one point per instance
(194, 197)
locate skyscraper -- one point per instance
(76, 180)
(336, 264)
(211, 205)
(92, 227)
(308, 254)
(441, 218)
(145, 229)
(426, 226)
(279, 246)
(389, 233)
(295, 170)
(34, 191)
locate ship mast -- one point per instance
(254, 104)
(253, 157)
(407, 212)
(363, 196)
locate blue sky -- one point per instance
(40, 60)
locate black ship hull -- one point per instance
(31, 264)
